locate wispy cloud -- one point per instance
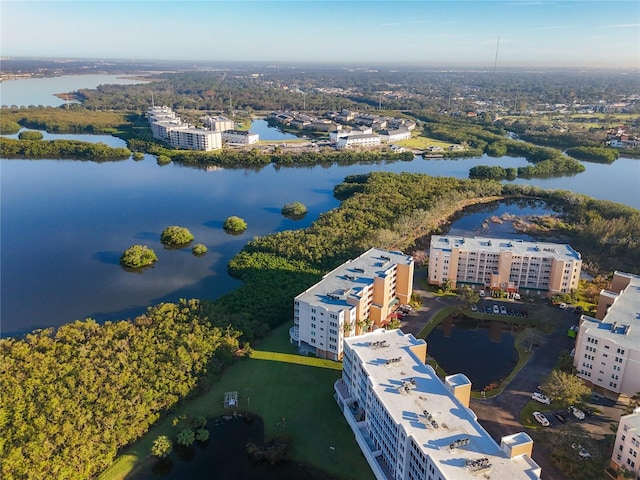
(554, 27)
(622, 25)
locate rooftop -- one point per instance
(621, 324)
(417, 399)
(560, 251)
(350, 278)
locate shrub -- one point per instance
(295, 209)
(186, 437)
(199, 249)
(138, 156)
(30, 135)
(202, 435)
(175, 235)
(138, 256)
(163, 160)
(161, 447)
(235, 224)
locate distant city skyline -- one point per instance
(542, 33)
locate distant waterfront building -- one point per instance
(504, 264)
(389, 136)
(410, 425)
(366, 288)
(240, 137)
(626, 449)
(167, 127)
(195, 139)
(219, 123)
(607, 352)
(350, 141)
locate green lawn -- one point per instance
(293, 394)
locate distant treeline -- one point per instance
(594, 154)
(61, 149)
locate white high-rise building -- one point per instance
(626, 449)
(607, 352)
(412, 426)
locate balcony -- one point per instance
(293, 334)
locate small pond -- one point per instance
(488, 346)
(223, 456)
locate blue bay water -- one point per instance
(65, 223)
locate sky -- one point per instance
(569, 33)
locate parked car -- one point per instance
(503, 310)
(488, 310)
(576, 412)
(578, 310)
(516, 296)
(541, 419)
(481, 293)
(583, 452)
(474, 307)
(562, 306)
(539, 397)
(496, 310)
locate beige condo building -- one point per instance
(356, 297)
(504, 264)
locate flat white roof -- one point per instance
(350, 278)
(624, 311)
(429, 394)
(560, 251)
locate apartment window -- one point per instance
(313, 340)
(313, 325)
(620, 351)
(313, 310)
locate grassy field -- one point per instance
(292, 393)
(422, 143)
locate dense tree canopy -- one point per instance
(235, 224)
(294, 209)
(72, 397)
(175, 235)
(61, 149)
(138, 256)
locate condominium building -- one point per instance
(195, 139)
(169, 128)
(218, 123)
(626, 449)
(240, 137)
(395, 135)
(607, 352)
(360, 140)
(502, 264)
(410, 425)
(358, 295)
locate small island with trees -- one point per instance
(294, 210)
(235, 224)
(138, 256)
(175, 236)
(199, 249)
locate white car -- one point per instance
(541, 419)
(539, 397)
(474, 307)
(576, 412)
(481, 293)
(503, 310)
(496, 310)
(562, 306)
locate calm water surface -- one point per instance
(65, 224)
(41, 91)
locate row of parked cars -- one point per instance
(570, 308)
(502, 310)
